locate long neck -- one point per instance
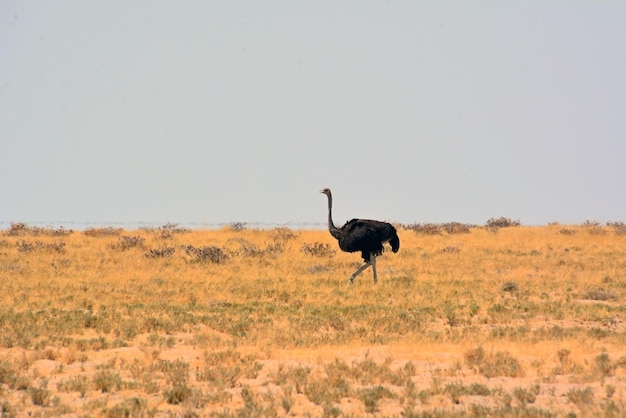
(331, 225)
(334, 231)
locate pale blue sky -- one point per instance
(215, 112)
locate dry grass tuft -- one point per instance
(599, 294)
(103, 232)
(210, 253)
(126, 242)
(318, 249)
(494, 364)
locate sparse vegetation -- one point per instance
(78, 384)
(450, 249)
(509, 287)
(238, 226)
(457, 228)
(581, 397)
(283, 234)
(501, 222)
(618, 227)
(107, 380)
(103, 232)
(126, 242)
(500, 363)
(21, 229)
(167, 231)
(210, 253)
(27, 246)
(593, 227)
(438, 229)
(160, 252)
(318, 249)
(599, 294)
(528, 321)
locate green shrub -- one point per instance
(493, 365)
(107, 380)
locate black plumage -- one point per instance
(364, 235)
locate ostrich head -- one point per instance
(326, 192)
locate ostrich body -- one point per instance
(364, 235)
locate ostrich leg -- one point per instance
(360, 270)
(371, 262)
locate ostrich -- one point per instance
(362, 235)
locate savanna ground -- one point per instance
(482, 321)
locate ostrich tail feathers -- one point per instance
(395, 244)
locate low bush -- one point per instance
(424, 229)
(457, 228)
(160, 252)
(318, 249)
(501, 222)
(211, 253)
(21, 229)
(103, 232)
(126, 242)
(26, 247)
(500, 363)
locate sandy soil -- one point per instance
(436, 366)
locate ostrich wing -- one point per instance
(384, 231)
(360, 236)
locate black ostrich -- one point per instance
(362, 235)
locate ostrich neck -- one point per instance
(334, 231)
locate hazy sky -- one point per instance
(216, 112)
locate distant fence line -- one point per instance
(74, 225)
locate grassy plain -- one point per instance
(517, 321)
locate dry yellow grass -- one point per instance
(519, 321)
